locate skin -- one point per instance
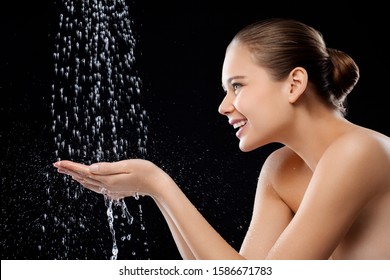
(325, 194)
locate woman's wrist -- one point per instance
(161, 184)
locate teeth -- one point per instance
(239, 124)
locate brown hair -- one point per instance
(280, 45)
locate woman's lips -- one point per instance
(240, 125)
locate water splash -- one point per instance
(111, 204)
(96, 91)
(96, 107)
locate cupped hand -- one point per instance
(116, 179)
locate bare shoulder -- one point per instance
(360, 153)
(361, 140)
(356, 167)
(282, 159)
(288, 175)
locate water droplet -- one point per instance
(97, 111)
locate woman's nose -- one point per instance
(226, 105)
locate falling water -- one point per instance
(96, 92)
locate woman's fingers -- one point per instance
(80, 173)
(97, 187)
(75, 175)
(70, 166)
(121, 177)
(90, 181)
(88, 185)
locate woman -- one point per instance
(324, 194)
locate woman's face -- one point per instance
(254, 103)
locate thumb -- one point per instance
(108, 168)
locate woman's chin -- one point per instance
(244, 147)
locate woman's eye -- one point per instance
(236, 86)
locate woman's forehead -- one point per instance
(238, 60)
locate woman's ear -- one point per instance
(298, 80)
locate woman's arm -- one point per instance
(270, 214)
(190, 229)
(345, 179)
(200, 237)
(181, 244)
(350, 173)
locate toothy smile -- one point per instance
(239, 124)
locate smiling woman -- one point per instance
(324, 194)
(181, 48)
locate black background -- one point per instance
(180, 51)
